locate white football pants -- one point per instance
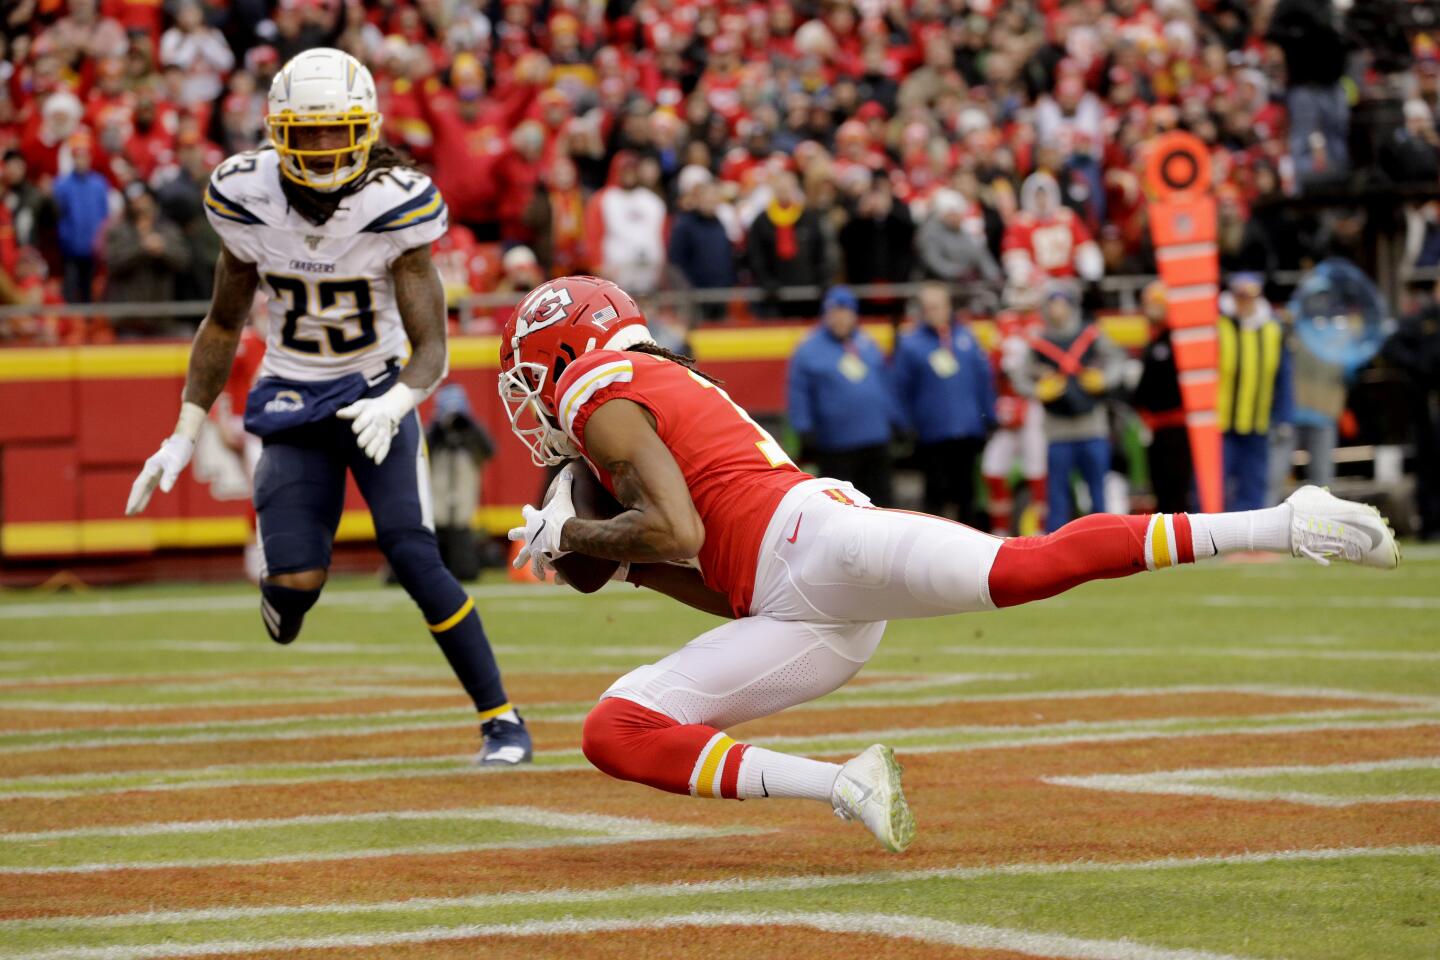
(830, 573)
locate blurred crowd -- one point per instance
(674, 144)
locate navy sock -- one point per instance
(283, 610)
(462, 639)
(450, 613)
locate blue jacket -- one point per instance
(841, 413)
(701, 251)
(941, 399)
(83, 202)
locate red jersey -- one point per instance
(736, 472)
(1049, 244)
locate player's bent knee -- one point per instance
(411, 552)
(285, 598)
(300, 579)
(630, 742)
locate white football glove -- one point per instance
(164, 466)
(377, 419)
(541, 533)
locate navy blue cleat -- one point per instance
(506, 743)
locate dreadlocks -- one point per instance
(655, 350)
(318, 207)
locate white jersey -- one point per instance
(332, 303)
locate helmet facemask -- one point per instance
(520, 390)
(298, 139)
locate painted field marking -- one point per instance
(609, 829)
(363, 723)
(553, 761)
(894, 926)
(336, 694)
(455, 716)
(250, 603)
(1244, 653)
(1156, 726)
(446, 685)
(332, 771)
(1128, 737)
(1341, 602)
(219, 676)
(705, 888)
(1193, 783)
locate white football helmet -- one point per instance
(323, 88)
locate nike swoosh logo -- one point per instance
(792, 536)
(530, 540)
(863, 791)
(762, 784)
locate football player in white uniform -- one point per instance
(337, 227)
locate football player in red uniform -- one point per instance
(1046, 239)
(718, 516)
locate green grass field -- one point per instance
(1239, 760)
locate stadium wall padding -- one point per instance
(76, 424)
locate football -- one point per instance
(592, 502)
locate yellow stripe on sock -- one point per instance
(705, 784)
(495, 711)
(1160, 543)
(454, 618)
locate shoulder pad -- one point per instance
(397, 199)
(240, 189)
(584, 378)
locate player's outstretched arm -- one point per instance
(661, 522)
(420, 297)
(211, 355)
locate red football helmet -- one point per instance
(554, 325)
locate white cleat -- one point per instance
(1324, 527)
(868, 789)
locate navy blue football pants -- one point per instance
(299, 496)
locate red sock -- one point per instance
(631, 742)
(1098, 547)
(1002, 507)
(1038, 492)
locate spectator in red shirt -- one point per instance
(517, 173)
(44, 142)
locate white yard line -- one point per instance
(419, 850)
(462, 769)
(709, 888)
(250, 603)
(363, 730)
(609, 830)
(1083, 734)
(1126, 737)
(220, 676)
(527, 816)
(208, 731)
(1244, 653)
(462, 715)
(1340, 602)
(1159, 726)
(335, 694)
(897, 926)
(1199, 783)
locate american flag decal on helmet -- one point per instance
(604, 316)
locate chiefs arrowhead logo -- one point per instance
(545, 305)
